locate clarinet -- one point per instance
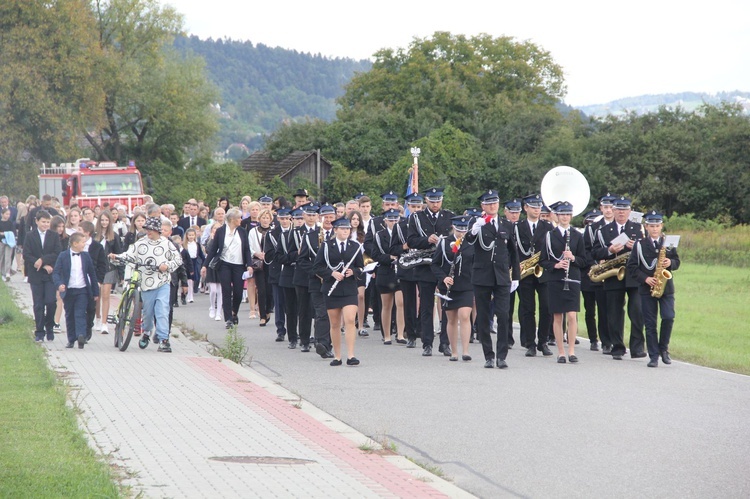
(343, 271)
(566, 286)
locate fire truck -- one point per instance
(90, 183)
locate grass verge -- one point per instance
(43, 453)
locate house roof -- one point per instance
(267, 168)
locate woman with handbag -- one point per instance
(255, 238)
(7, 243)
(235, 259)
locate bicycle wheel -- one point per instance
(126, 303)
(131, 320)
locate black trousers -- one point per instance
(372, 300)
(411, 322)
(322, 323)
(261, 289)
(230, 276)
(511, 308)
(499, 297)
(616, 320)
(304, 314)
(426, 316)
(45, 305)
(279, 309)
(601, 310)
(290, 308)
(658, 343)
(589, 306)
(528, 290)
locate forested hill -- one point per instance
(643, 104)
(262, 86)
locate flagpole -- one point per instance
(415, 169)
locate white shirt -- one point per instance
(76, 280)
(232, 248)
(192, 249)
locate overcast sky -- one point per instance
(609, 50)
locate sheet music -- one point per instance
(621, 239)
(636, 217)
(672, 241)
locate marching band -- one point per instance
(466, 268)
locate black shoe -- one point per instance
(389, 342)
(329, 354)
(176, 305)
(466, 358)
(551, 342)
(335, 362)
(489, 364)
(501, 364)
(573, 359)
(280, 337)
(594, 346)
(440, 348)
(561, 359)
(607, 349)
(376, 327)
(305, 348)
(354, 361)
(638, 355)
(81, 341)
(70, 344)
(531, 351)
(427, 351)
(577, 342)
(235, 320)
(228, 325)
(453, 359)
(366, 324)
(39, 339)
(510, 346)
(320, 350)
(447, 351)
(411, 344)
(401, 341)
(50, 336)
(653, 362)
(183, 301)
(617, 356)
(363, 333)
(292, 345)
(545, 350)
(88, 337)
(666, 358)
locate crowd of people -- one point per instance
(317, 269)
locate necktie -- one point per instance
(494, 223)
(622, 229)
(328, 234)
(656, 244)
(342, 248)
(533, 228)
(76, 254)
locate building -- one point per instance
(309, 165)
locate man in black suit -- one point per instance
(76, 280)
(192, 219)
(302, 271)
(590, 236)
(46, 205)
(617, 289)
(425, 229)
(530, 236)
(289, 243)
(40, 250)
(495, 273)
(272, 249)
(407, 277)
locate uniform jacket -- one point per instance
(308, 252)
(641, 264)
(555, 242)
(330, 258)
(33, 250)
(601, 251)
(61, 275)
(421, 227)
(271, 250)
(384, 246)
(528, 245)
(495, 255)
(444, 258)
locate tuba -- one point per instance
(564, 183)
(661, 274)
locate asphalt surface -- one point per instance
(598, 428)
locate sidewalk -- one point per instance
(188, 424)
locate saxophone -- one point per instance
(609, 268)
(661, 274)
(531, 266)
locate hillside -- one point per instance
(648, 103)
(261, 86)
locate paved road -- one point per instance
(537, 429)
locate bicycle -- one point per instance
(127, 317)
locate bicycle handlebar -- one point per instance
(124, 260)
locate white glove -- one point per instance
(478, 223)
(513, 286)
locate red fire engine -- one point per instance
(90, 183)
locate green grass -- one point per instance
(712, 316)
(43, 453)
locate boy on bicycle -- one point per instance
(154, 250)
